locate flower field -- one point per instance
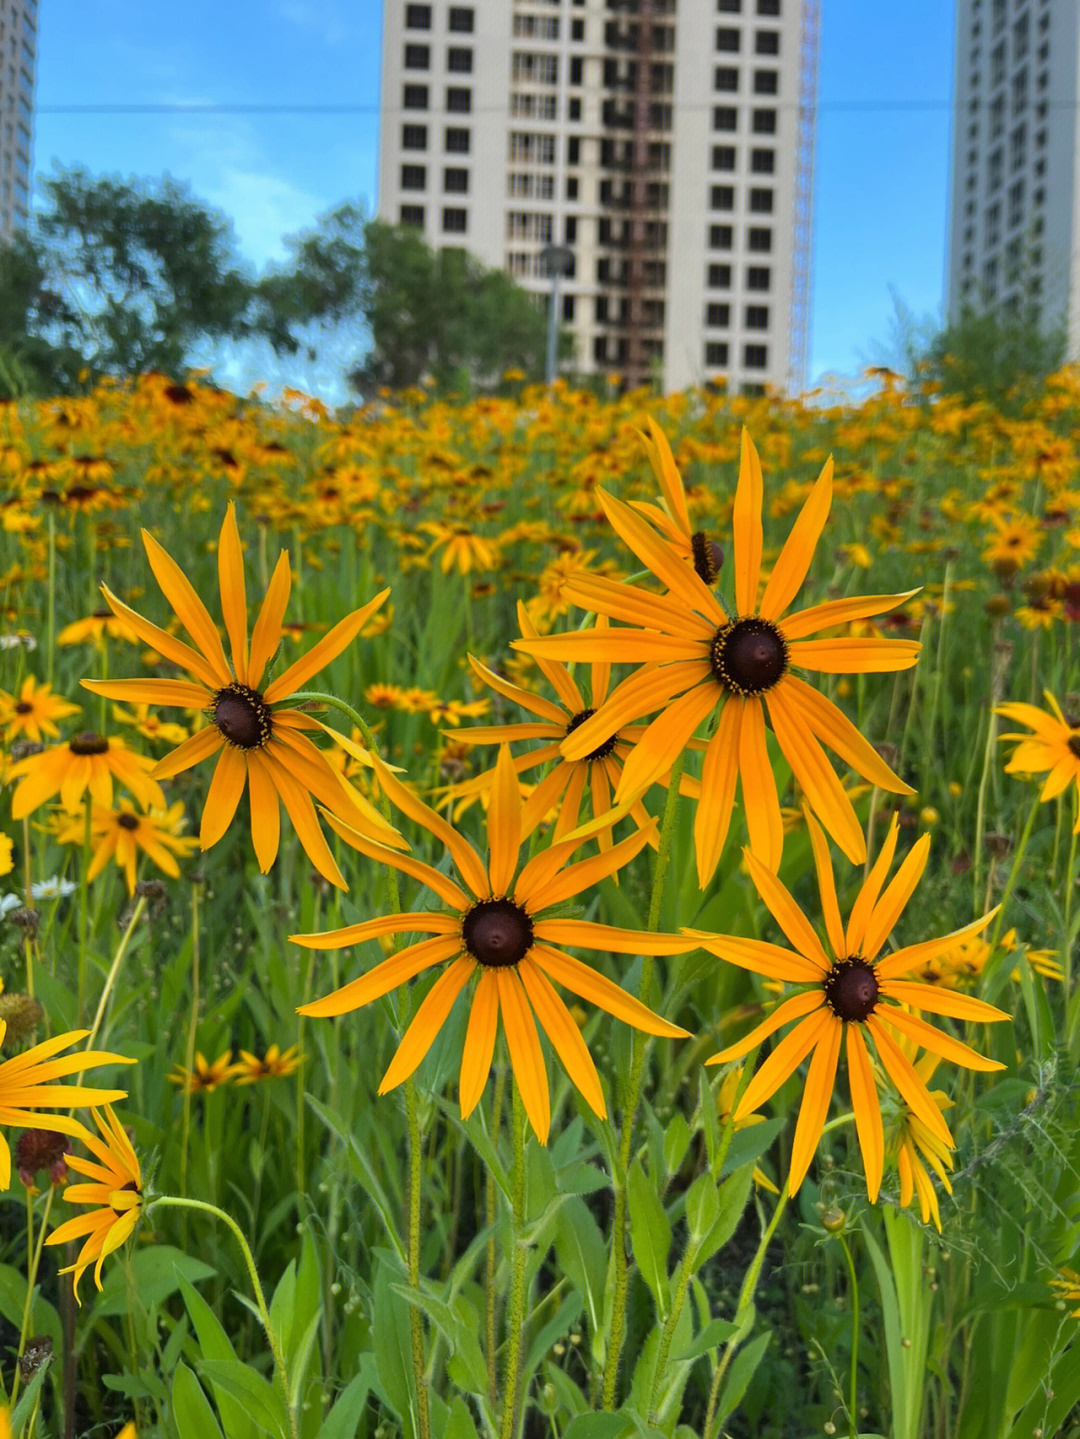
(549, 916)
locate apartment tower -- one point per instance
(18, 59)
(1013, 238)
(659, 152)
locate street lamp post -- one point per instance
(559, 261)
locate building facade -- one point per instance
(1013, 238)
(668, 145)
(18, 61)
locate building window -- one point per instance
(718, 317)
(993, 225)
(767, 42)
(716, 353)
(415, 97)
(997, 63)
(768, 7)
(720, 237)
(723, 157)
(761, 202)
(1018, 148)
(764, 122)
(725, 78)
(413, 177)
(418, 17)
(455, 182)
(411, 215)
(724, 117)
(530, 69)
(417, 57)
(1019, 90)
(454, 222)
(766, 82)
(757, 317)
(577, 70)
(727, 40)
(1016, 203)
(577, 29)
(755, 357)
(722, 197)
(456, 141)
(719, 277)
(758, 278)
(461, 19)
(458, 101)
(994, 168)
(414, 137)
(729, 7)
(762, 162)
(459, 60)
(759, 240)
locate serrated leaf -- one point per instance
(650, 1235)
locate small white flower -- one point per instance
(53, 888)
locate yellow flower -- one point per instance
(89, 761)
(1053, 745)
(95, 628)
(27, 1086)
(249, 1069)
(205, 1077)
(116, 1191)
(851, 995)
(122, 832)
(258, 742)
(495, 930)
(1066, 1283)
(912, 1142)
(34, 713)
(7, 859)
(696, 661)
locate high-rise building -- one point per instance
(1013, 236)
(18, 59)
(666, 149)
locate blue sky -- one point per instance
(881, 184)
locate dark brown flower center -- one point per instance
(497, 933)
(88, 743)
(852, 989)
(24, 708)
(749, 657)
(708, 557)
(128, 821)
(1074, 744)
(242, 716)
(602, 750)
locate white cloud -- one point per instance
(327, 19)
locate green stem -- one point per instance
(617, 1333)
(50, 601)
(852, 1426)
(114, 969)
(980, 808)
(680, 1287)
(416, 1318)
(1014, 872)
(84, 911)
(34, 1247)
(515, 1322)
(492, 1259)
(170, 1201)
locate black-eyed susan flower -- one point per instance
(27, 1087)
(492, 927)
(915, 1145)
(672, 516)
(275, 1064)
(256, 737)
(115, 1189)
(95, 628)
(87, 762)
(564, 786)
(696, 661)
(33, 713)
(849, 997)
(206, 1076)
(123, 832)
(1053, 745)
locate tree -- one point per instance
(995, 355)
(417, 311)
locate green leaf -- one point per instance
(582, 1178)
(650, 1235)
(215, 1344)
(258, 1396)
(676, 1142)
(191, 1411)
(155, 1274)
(392, 1340)
(599, 1426)
(702, 1206)
(740, 1374)
(731, 1200)
(461, 1334)
(344, 1417)
(363, 1172)
(460, 1424)
(713, 1334)
(582, 1255)
(43, 1317)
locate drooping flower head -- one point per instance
(115, 1189)
(696, 660)
(258, 739)
(492, 928)
(1053, 745)
(850, 996)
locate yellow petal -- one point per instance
(867, 897)
(189, 608)
(265, 812)
(441, 884)
(635, 606)
(788, 915)
(384, 977)
(902, 1073)
(557, 675)
(535, 704)
(589, 984)
(665, 739)
(794, 561)
(192, 751)
(797, 1007)
(233, 592)
(762, 804)
(864, 1102)
(942, 1001)
(760, 957)
(428, 1020)
(526, 1056)
(934, 1040)
(152, 692)
(503, 824)
(639, 694)
(899, 890)
(815, 774)
(468, 862)
(816, 1098)
(226, 787)
(267, 633)
(577, 877)
(902, 961)
(785, 1059)
(746, 526)
(167, 645)
(828, 724)
(479, 1042)
(659, 557)
(321, 654)
(830, 908)
(610, 939)
(719, 773)
(666, 472)
(839, 612)
(558, 1024)
(854, 656)
(301, 811)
